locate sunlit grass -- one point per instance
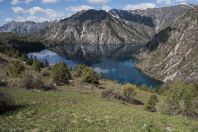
(70, 110)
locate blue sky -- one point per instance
(42, 10)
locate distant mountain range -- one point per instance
(163, 39)
(27, 27)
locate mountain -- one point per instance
(117, 33)
(96, 27)
(92, 34)
(158, 18)
(95, 33)
(172, 54)
(27, 27)
(129, 16)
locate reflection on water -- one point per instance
(123, 71)
(51, 57)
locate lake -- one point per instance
(120, 70)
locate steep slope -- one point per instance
(158, 18)
(92, 33)
(95, 27)
(21, 42)
(173, 53)
(27, 27)
(129, 16)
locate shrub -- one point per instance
(101, 76)
(180, 99)
(90, 76)
(60, 74)
(159, 90)
(24, 57)
(29, 62)
(16, 69)
(38, 83)
(144, 87)
(106, 93)
(151, 103)
(110, 93)
(79, 70)
(3, 82)
(11, 52)
(30, 82)
(5, 103)
(129, 91)
(27, 81)
(87, 74)
(36, 65)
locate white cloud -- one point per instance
(36, 10)
(48, 12)
(49, 1)
(99, 1)
(168, 2)
(28, 1)
(18, 10)
(16, 2)
(1, 0)
(79, 8)
(106, 8)
(141, 6)
(8, 19)
(37, 14)
(181, 1)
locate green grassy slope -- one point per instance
(68, 109)
(79, 107)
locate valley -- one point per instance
(118, 34)
(97, 70)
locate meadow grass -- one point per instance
(67, 109)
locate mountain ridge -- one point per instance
(172, 54)
(27, 27)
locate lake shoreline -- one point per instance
(122, 70)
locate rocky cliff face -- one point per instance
(92, 33)
(129, 16)
(173, 53)
(164, 17)
(27, 27)
(96, 27)
(158, 18)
